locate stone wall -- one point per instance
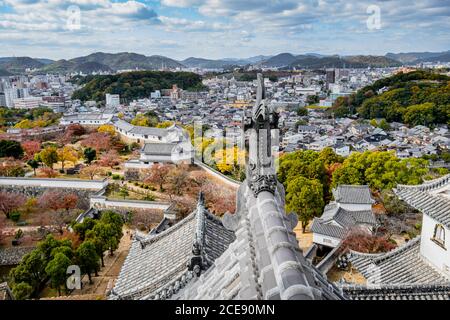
(12, 256)
(33, 191)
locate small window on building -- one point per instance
(439, 234)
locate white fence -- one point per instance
(54, 183)
(217, 174)
(103, 202)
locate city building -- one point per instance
(27, 103)
(112, 100)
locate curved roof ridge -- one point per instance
(428, 185)
(153, 238)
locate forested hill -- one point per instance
(135, 85)
(415, 98)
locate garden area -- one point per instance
(43, 271)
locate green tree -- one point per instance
(56, 269)
(420, 114)
(34, 164)
(89, 154)
(107, 234)
(30, 270)
(100, 245)
(302, 112)
(305, 198)
(384, 125)
(88, 258)
(82, 228)
(22, 291)
(49, 156)
(123, 192)
(374, 123)
(10, 148)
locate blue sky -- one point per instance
(222, 28)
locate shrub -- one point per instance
(15, 216)
(116, 176)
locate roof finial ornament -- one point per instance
(260, 168)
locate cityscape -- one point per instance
(308, 170)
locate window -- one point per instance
(439, 235)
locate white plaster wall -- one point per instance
(325, 240)
(430, 250)
(355, 207)
(55, 183)
(105, 203)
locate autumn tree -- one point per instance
(67, 153)
(106, 128)
(10, 167)
(158, 175)
(10, 201)
(48, 172)
(177, 179)
(99, 141)
(305, 198)
(49, 156)
(109, 159)
(92, 171)
(31, 147)
(361, 241)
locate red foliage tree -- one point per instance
(10, 201)
(72, 131)
(30, 147)
(362, 241)
(99, 141)
(69, 201)
(109, 159)
(158, 175)
(48, 172)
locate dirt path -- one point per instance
(107, 274)
(305, 240)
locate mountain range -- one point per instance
(100, 61)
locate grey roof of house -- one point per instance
(159, 148)
(398, 292)
(149, 131)
(402, 265)
(353, 194)
(434, 205)
(344, 218)
(330, 230)
(156, 261)
(259, 266)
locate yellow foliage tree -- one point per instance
(24, 124)
(107, 128)
(164, 124)
(140, 120)
(67, 153)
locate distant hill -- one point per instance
(210, 64)
(419, 97)
(417, 57)
(100, 61)
(4, 73)
(18, 65)
(318, 62)
(135, 85)
(279, 60)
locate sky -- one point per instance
(215, 29)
